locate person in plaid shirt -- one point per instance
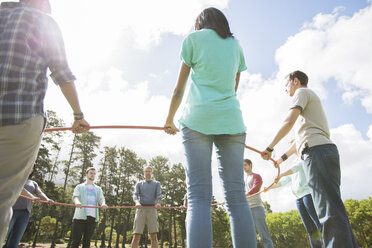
(30, 42)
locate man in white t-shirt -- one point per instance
(85, 219)
(321, 160)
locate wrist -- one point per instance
(79, 116)
(284, 157)
(269, 149)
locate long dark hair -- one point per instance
(214, 19)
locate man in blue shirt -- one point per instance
(30, 43)
(147, 194)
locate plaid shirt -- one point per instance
(30, 42)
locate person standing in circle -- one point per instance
(22, 211)
(212, 116)
(85, 219)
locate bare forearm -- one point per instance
(69, 91)
(26, 193)
(76, 200)
(286, 173)
(41, 195)
(283, 131)
(178, 91)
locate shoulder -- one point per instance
(34, 183)
(257, 176)
(97, 187)
(80, 185)
(305, 92)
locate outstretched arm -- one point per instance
(41, 195)
(178, 93)
(283, 131)
(69, 91)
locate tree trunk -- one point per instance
(112, 228)
(103, 238)
(53, 244)
(54, 166)
(170, 229)
(36, 234)
(162, 233)
(183, 229)
(118, 230)
(175, 229)
(125, 226)
(69, 163)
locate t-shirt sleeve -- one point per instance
(76, 192)
(55, 54)
(36, 185)
(158, 192)
(187, 51)
(300, 99)
(101, 197)
(285, 180)
(242, 65)
(136, 192)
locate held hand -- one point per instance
(265, 154)
(36, 199)
(276, 180)
(138, 206)
(80, 126)
(78, 205)
(50, 201)
(279, 161)
(157, 205)
(265, 189)
(170, 128)
(104, 206)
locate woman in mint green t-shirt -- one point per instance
(212, 116)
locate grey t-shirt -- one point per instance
(311, 127)
(22, 203)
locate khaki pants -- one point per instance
(19, 145)
(146, 216)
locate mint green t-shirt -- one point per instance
(299, 186)
(212, 106)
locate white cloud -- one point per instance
(333, 46)
(93, 28)
(356, 157)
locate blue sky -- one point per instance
(125, 55)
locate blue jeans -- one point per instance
(322, 170)
(230, 155)
(17, 227)
(259, 218)
(311, 222)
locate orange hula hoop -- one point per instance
(148, 128)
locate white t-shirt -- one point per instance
(91, 200)
(311, 128)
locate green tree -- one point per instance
(287, 230)
(221, 227)
(86, 145)
(360, 216)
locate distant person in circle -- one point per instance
(147, 193)
(85, 219)
(22, 211)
